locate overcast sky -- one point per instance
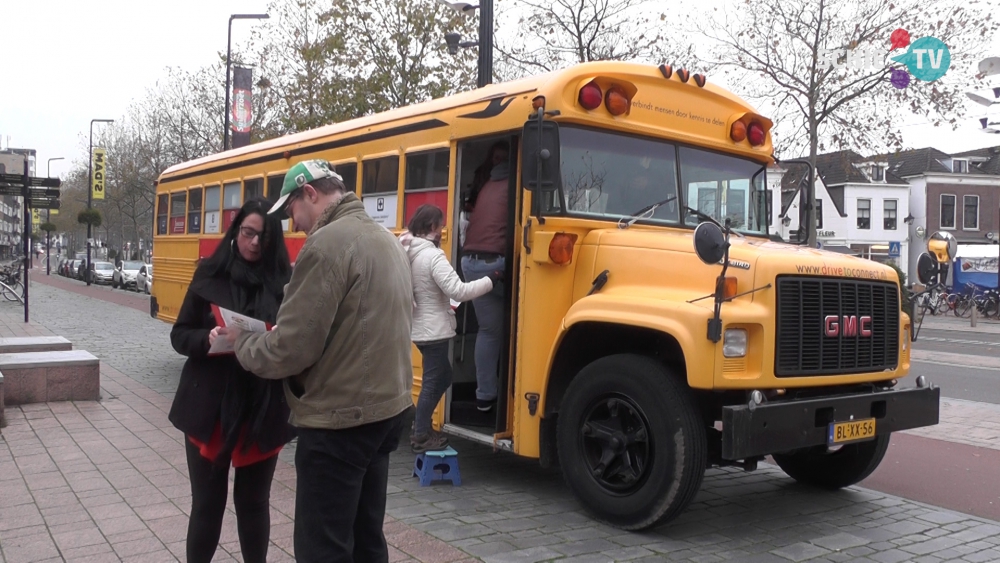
(66, 62)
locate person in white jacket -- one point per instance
(435, 285)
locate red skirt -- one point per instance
(240, 458)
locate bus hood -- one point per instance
(662, 263)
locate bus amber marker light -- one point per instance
(729, 287)
(561, 248)
(591, 96)
(617, 102)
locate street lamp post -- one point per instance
(229, 52)
(485, 43)
(90, 192)
(48, 215)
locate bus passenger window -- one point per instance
(212, 220)
(379, 187)
(162, 201)
(253, 188)
(349, 172)
(194, 211)
(231, 203)
(274, 186)
(426, 182)
(178, 203)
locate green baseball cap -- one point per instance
(300, 175)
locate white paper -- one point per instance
(232, 319)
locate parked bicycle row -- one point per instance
(942, 300)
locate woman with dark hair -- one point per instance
(435, 284)
(228, 415)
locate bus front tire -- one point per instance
(631, 442)
(820, 467)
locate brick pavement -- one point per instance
(106, 481)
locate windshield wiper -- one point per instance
(705, 217)
(632, 218)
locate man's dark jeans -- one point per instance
(340, 492)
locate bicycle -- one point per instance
(11, 285)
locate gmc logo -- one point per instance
(848, 325)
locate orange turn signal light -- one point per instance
(616, 100)
(738, 132)
(729, 287)
(561, 248)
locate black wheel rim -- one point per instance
(616, 443)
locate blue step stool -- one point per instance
(441, 465)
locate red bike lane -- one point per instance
(127, 298)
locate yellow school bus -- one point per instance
(654, 327)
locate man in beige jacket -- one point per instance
(342, 346)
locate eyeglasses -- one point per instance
(250, 234)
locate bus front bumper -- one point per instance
(781, 426)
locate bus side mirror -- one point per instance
(540, 155)
(928, 269)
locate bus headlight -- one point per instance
(734, 344)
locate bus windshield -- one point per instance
(614, 176)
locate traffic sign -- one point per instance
(18, 180)
(43, 203)
(894, 248)
(32, 192)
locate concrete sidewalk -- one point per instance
(107, 481)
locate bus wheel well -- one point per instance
(590, 341)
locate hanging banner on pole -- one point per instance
(36, 218)
(242, 110)
(98, 173)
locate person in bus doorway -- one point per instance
(482, 255)
(435, 285)
(228, 415)
(498, 153)
(342, 346)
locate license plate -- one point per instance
(851, 431)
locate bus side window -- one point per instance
(426, 182)
(162, 201)
(274, 184)
(253, 188)
(178, 211)
(194, 211)
(212, 219)
(380, 189)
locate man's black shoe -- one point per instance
(485, 406)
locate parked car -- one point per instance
(103, 273)
(124, 275)
(144, 279)
(68, 266)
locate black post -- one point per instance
(485, 75)
(27, 230)
(90, 199)
(48, 240)
(229, 50)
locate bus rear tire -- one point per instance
(631, 441)
(819, 467)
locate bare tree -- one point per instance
(807, 63)
(558, 33)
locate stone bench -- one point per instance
(34, 344)
(41, 377)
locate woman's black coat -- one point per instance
(198, 401)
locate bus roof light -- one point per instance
(756, 134)
(561, 248)
(699, 79)
(738, 132)
(683, 74)
(591, 96)
(617, 101)
(666, 71)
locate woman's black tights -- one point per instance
(209, 491)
